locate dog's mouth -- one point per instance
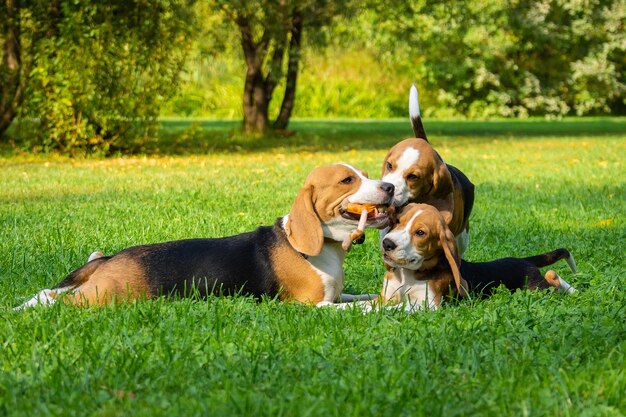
(409, 263)
(375, 212)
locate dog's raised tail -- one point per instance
(415, 115)
(549, 258)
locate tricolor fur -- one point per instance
(425, 267)
(299, 258)
(420, 175)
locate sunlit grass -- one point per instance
(540, 185)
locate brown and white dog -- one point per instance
(299, 258)
(424, 265)
(420, 175)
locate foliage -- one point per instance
(540, 184)
(94, 76)
(474, 59)
(101, 78)
(270, 34)
(18, 38)
(514, 58)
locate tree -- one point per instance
(271, 36)
(515, 58)
(17, 36)
(97, 72)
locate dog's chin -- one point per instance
(413, 264)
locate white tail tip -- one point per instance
(571, 263)
(414, 105)
(95, 255)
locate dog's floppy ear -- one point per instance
(303, 227)
(448, 243)
(442, 190)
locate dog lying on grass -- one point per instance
(425, 266)
(299, 258)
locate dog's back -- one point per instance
(514, 273)
(467, 189)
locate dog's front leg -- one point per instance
(364, 306)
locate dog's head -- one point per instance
(417, 172)
(320, 208)
(419, 239)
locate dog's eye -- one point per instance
(389, 166)
(347, 180)
(412, 177)
(420, 233)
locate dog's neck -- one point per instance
(419, 288)
(328, 264)
(402, 286)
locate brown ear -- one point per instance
(448, 243)
(303, 227)
(443, 191)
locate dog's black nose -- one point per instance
(389, 244)
(387, 187)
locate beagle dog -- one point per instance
(425, 267)
(299, 258)
(420, 175)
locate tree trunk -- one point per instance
(255, 92)
(12, 90)
(255, 103)
(292, 73)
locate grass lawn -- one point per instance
(540, 185)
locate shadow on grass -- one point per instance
(182, 137)
(201, 136)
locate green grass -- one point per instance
(540, 185)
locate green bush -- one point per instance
(99, 82)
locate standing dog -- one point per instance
(424, 265)
(421, 176)
(299, 258)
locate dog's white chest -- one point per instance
(406, 289)
(329, 266)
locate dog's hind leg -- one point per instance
(559, 283)
(69, 284)
(43, 297)
(347, 298)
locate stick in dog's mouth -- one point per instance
(354, 211)
(360, 229)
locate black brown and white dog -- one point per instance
(425, 267)
(299, 258)
(420, 175)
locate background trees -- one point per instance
(95, 76)
(515, 58)
(270, 34)
(17, 35)
(97, 73)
